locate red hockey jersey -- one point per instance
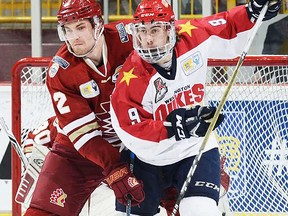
(80, 95)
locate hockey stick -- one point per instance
(128, 207)
(219, 108)
(14, 142)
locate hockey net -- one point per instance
(253, 136)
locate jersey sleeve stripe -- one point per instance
(83, 130)
(85, 138)
(78, 122)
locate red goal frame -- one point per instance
(16, 121)
(44, 61)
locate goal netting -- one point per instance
(253, 136)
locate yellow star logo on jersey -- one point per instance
(128, 76)
(187, 27)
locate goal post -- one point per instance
(22, 73)
(253, 136)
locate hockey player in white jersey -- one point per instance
(163, 80)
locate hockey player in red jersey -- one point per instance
(158, 109)
(80, 80)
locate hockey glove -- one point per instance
(192, 122)
(204, 115)
(125, 185)
(178, 124)
(207, 113)
(168, 200)
(255, 6)
(225, 178)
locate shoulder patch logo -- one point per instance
(161, 89)
(116, 73)
(89, 89)
(192, 63)
(61, 62)
(53, 70)
(122, 33)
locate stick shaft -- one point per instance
(14, 142)
(128, 207)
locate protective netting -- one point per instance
(36, 104)
(253, 136)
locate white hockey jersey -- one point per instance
(145, 95)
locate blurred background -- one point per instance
(15, 24)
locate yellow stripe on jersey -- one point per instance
(78, 122)
(83, 130)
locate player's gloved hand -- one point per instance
(168, 200)
(255, 6)
(192, 122)
(125, 185)
(225, 178)
(178, 124)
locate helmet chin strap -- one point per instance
(166, 62)
(90, 50)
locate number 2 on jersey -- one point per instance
(61, 99)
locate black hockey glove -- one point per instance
(178, 124)
(205, 115)
(255, 6)
(192, 122)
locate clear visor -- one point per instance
(151, 35)
(153, 41)
(67, 33)
(80, 29)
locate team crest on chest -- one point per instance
(192, 63)
(161, 89)
(89, 89)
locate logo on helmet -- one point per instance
(147, 15)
